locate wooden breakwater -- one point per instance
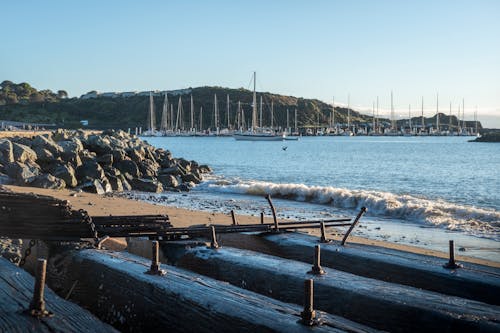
(16, 294)
(379, 304)
(115, 286)
(471, 281)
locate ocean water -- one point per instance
(418, 190)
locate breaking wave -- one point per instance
(383, 204)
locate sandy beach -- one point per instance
(97, 205)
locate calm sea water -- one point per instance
(445, 183)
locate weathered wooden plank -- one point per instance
(115, 286)
(473, 281)
(379, 304)
(16, 292)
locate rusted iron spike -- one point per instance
(323, 234)
(308, 316)
(451, 264)
(356, 220)
(155, 260)
(233, 218)
(273, 211)
(213, 243)
(37, 305)
(316, 268)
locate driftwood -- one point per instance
(374, 303)
(473, 281)
(16, 292)
(31, 216)
(116, 287)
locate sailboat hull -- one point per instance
(257, 137)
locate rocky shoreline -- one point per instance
(112, 161)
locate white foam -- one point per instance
(405, 207)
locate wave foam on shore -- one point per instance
(383, 204)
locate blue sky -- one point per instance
(313, 49)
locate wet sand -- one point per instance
(97, 205)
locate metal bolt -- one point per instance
(308, 315)
(213, 243)
(37, 305)
(323, 234)
(451, 264)
(233, 218)
(155, 260)
(316, 268)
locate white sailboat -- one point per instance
(151, 120)
(256, 133)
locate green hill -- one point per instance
(21, 102)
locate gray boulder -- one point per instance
(146, 185)
(46, 143)
(6, 151)
(119, 155)
(99, 144)
(191, 178)
(4, 179)
(94, 186)
(204, 168)
(168, 181)
(22, 173)
(43, 155)
(175, 170)
(89, 170)
(128, 167)
(48, 181)
(105, 160)
(116, 183)
(23, 153)
(67, 173)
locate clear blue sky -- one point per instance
(313, 49)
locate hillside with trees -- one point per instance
(23, 103)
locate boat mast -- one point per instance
(373, 113)
(409, 116)
(216, 111)
(192, 113)
(376, 125)
(172, 116)
(201, 118)
(260, 112)
(437, 113)
(393, 120)
(239, 115)
(151, 118)
(333, 112)
(463, 115)
(296, 121)
(287, 120)
(227, 104)
(164, 114)
(475, 119)
(179, 124)
(254, 103)
(449, 125)
(348, 112)
(272, 116)
(423, 121)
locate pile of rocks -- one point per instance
(98, 163)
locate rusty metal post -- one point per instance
(308, 316)
(273, 210)
(323, 234)
(451, 264)
(316, 268)
(356, 220)
(261, 217)
(155, 260)
(233, 218)
(213, 243)
(37, 305)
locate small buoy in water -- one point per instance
(284, 147)
(462, 249)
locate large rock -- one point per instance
(94, 186)
(168, 181)
(146, 185)
(99, 144)
(119, 155)
(71, 146)
(148, 168)
(175, 170)
(46, 143)
(67, 173)
(116, 183)
(22, 173)
(89, 170)
(191, 178)
(204, 168)
(128, 167)
(23, 153)
(43, 155)
(105, 160)
(5, 179)
(136, 154)
(48, 181)
(6, 151)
